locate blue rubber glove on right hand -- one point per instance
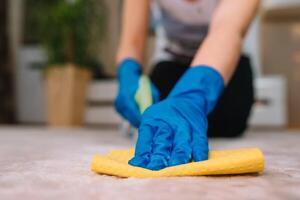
(129, 74)
(173, 131)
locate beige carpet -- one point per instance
(39, 163)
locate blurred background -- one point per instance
(79, 91)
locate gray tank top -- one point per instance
(180, 26)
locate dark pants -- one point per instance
(230, 116)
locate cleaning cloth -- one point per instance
(143, 96)
(225, 162)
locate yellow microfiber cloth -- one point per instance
(225, 162)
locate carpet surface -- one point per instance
(38, 163)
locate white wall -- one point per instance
(252, 47)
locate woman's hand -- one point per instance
(129, 74)
(173, 131)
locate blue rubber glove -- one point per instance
(174, 131)
(129, 74)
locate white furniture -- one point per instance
(30, 96)
(270, 109)
(100, 109)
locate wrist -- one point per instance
(206, 70)
(203, 81)
(129, 67)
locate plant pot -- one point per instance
(66, 95)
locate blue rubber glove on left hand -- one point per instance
(129, 74)
(174, 131)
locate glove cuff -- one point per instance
(129, 66)
(202, 80)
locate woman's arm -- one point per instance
(222, 47)
(134, 30)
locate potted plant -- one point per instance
(70, 32)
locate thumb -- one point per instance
(155, 93)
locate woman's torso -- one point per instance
(181, 26)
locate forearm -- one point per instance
(221, 51)
(134, 30)
(222, 47)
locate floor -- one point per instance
(39, 163)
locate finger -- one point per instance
(132, 114)
(162, 146)
(143, 147)
(182, 151)
(119, 105)
(128, 111)
(200, 142)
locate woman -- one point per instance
(201, 83)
